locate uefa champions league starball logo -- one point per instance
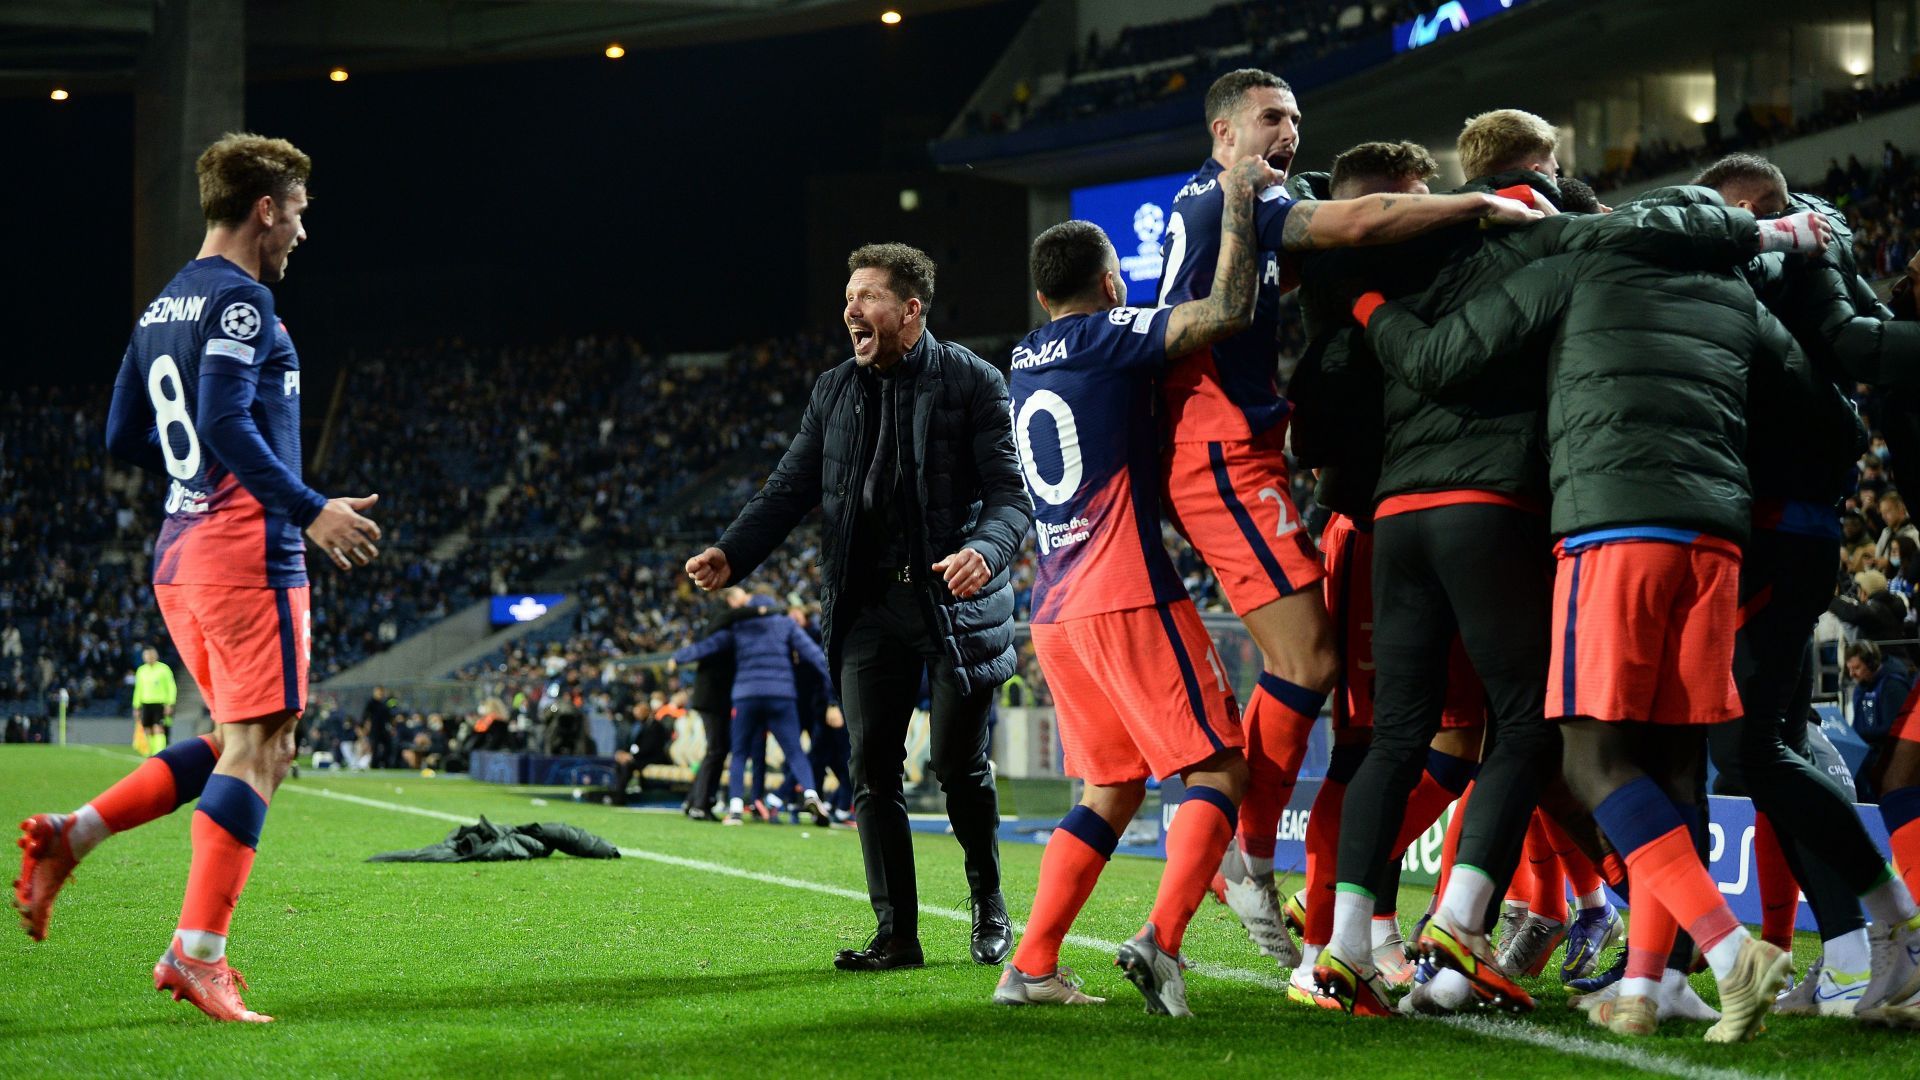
(1149, 224)
(240, 321)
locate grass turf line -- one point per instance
(563, 968)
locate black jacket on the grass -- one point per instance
(967, 493)
(1647, 363)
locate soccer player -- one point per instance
(1138, 689)
(1225, 469)
(1340, 433)
(1650, 502)
(209, 397)
(1800, 469)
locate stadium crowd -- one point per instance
(1144, 64)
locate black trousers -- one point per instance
(706, 779)
(1786, 581)
(886, 646)
(1484, 572)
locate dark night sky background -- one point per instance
(664, 195)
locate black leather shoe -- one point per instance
(881, 954)
(992, 930)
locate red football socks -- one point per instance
(1548, 885)
(226, 831)
(1197, 837)
(162, 784)
(1076, 853)
(1779, 892)
(1278, 718)
(1323, 849)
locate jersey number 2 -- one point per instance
(169, 408)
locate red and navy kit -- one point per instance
(209, 396)
(1225, 468)
(1138, 688)
(1644, 619)
(1083, 418)
(1230, 392)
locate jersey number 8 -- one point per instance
(170, 408)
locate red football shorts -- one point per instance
(1643, 630)
(1137, 692)
(1348, 552)
(1233, 503)
(248, 648)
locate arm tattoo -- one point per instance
(1236, 281)
(1297, 234)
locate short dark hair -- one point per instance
(235, 171)
(1742, 168)
(909, 270)
(1229, 91)
(1382, 161)
(1068, 259)
(1577, 196)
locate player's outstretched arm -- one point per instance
(1228, 308)
(791, 491)
(1389, 219)
(344, 533)
(1507, 317)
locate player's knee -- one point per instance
(1225, 772)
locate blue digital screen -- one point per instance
(523, 607)
(1448, 18)
(1134, 215)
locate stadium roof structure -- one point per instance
(98, 43)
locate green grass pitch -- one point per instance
(705, 952)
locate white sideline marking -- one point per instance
(1508, 1030)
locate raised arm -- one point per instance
(1506, 318)
(791, 491)
(1227, 309)
(1390, 218)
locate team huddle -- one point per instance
(1582, 462)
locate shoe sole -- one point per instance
(1139, 971)
(1331, 984)
(1439, 946)
(38, 836)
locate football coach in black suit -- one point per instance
(907, 448)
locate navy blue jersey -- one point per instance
(1230, 392)
(1083, 392)
(209, 396)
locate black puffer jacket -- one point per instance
(1339, 423)
(1847, 333)
(968, 493)
(1484, 433)
(1804, 449)
(1647, 373)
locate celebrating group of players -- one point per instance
(1584, 464)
